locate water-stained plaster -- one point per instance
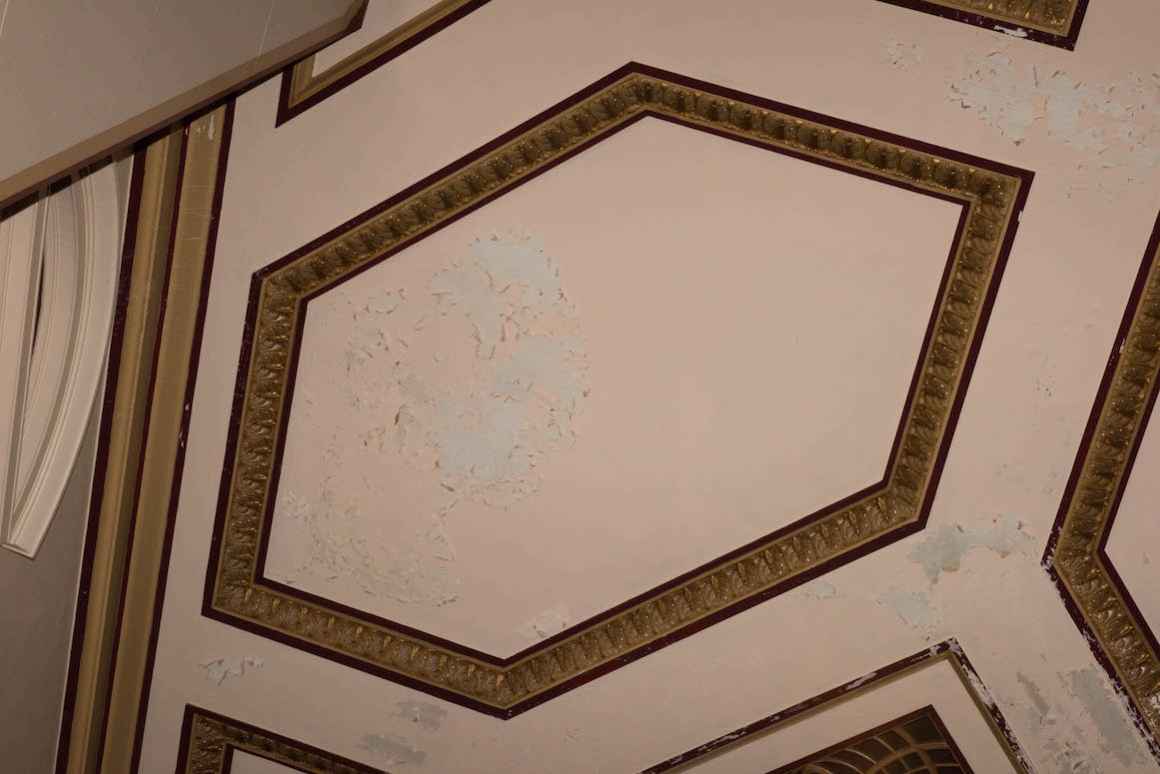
(392, 750)
(1110, 127)
(914, 608)
(218, 670)
(945, 547)
(551, 621)
(482, 412)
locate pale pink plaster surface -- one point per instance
(1078, 249)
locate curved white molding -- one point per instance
(51, 358)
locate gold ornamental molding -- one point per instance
(897, 746)
(175, 194)
(915, 742)
(209, 742)
(1056, 22)
(302, 88)
(990, 195)
(1076, 556)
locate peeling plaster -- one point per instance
(1116, 736)
(819, 589)
(393, 750)
(1114, 126)
(903, 56)
(218, 670)
(414, 571)
(945, 548)
(425, 715)
(484, 421)
(551, 621)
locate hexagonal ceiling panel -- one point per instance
(479, 375)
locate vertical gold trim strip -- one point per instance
(142, 311)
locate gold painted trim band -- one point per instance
(1052, 16)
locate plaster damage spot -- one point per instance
(552, 621)
(425, 715)
(944, 549)
(487, 433)
(218, 670)
(903, 56)
(503, 377)
(1117, 737)
(1115, 126)
(410, 571)
(392, 750)
(819, 589)
(914, 608)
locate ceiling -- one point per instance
(658, 386)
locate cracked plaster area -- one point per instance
(501, 379)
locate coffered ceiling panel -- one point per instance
(550, 412)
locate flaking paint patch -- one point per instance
(483, 418)
(819, 589)
(218, 670)
(1114, 126)
(945, 548)
(1117, 737)
(914, 608)
(410, 569)
(487, 434)
(903, 56)
(425, 715)
(393, 750)
(551, 621)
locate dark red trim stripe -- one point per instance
(1067, 40)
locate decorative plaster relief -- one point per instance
(59, 263)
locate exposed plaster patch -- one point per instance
(552, 621)
(414, 571)
(1116, 736)
(944, 549)
(487, 433)
(218, 670)
(1115, 126)
(912, 607)
(500, 392)
(393, 750)
(425, 715)
(819, 589)
(903, 56)
(1015, 32)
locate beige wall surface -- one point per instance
(37, 600)
(70, 69)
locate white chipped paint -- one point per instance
(944, 549)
